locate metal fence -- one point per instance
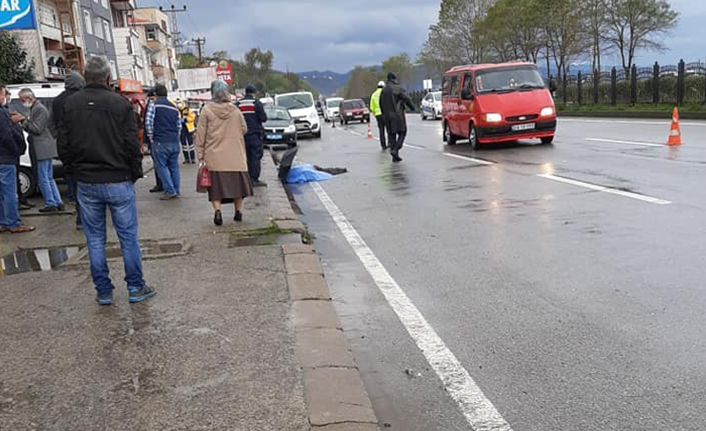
(682, 84)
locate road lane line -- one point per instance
(605, 189)
(469, 159)
(665, 122)
(617, 141)
(478, 410)
(416, 147)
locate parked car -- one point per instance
(303, 110)
(354, 110)
(279, 128)
(331, 109)
(45, 94)
(431, 106)
(496, 103)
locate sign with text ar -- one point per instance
(17, 15)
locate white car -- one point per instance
(332, 108)
(45, 94)
(431, 106)
(303, 110)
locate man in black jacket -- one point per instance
(11, 148)
(74, 82)
(392, 103)
(255, 116)
(99, 141)
(24, 203)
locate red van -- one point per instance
(488, 103)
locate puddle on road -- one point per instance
(36, 260)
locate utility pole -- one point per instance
(172, 12)
(200, 42)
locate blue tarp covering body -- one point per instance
(306, 173)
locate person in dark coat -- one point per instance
(393, 100)
(12, 145)
(151, 97)
(73, 84)
(24, 203)
(255, 116)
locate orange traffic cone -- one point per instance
(370, 131)
(675, 132)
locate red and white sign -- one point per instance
(225, 72)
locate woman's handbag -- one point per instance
(203, 180)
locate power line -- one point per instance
(172, 12)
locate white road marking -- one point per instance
(416, 147)
(617, 141)
(469, 159)
(605, 189)
(659, 123)
(478, 410)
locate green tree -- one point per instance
(362, 83)
(188, 61)
(638, 24)
(14, 68)
(400, 65)
(563, 30)
(512, 30)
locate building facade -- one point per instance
(154, 32)
(98, 38)
(133, 55)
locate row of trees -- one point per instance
(556, 31)
(255, 68)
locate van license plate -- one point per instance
(518, 127)
(274, 137)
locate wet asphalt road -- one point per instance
(571, 308)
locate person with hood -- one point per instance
(377, 113)
(73, 84)
(255, 116)
(393, 100)
(220, 146)
(39, 128)
(12, 145)
(187, 131)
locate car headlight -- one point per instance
(493, 118)
(290, 129)
(547, 112)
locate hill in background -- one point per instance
(327, 83)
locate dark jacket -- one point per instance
(254, 114)
(163, 122)
(392, 103)
(12, 142)
(74, 83)
(40, 128)
(99, 136)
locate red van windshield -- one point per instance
(508, 79)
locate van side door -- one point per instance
(454, 102)
(465, 111)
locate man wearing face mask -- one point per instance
(24, 203)
(38, 125)
(11, 147)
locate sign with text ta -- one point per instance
(225, 72)
(17, 15)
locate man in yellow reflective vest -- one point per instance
(377, 112)
(187, 132)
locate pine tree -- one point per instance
(14, 68)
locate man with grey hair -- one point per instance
(99, 131)
(39, 128)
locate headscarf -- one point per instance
(219, 92)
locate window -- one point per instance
(104, 3)
(129, 45)
(151, 34)
(468, 83)
(118, 18)
(87, 22)
(454, 86)
(113, 70)
(98, 27)
(164, 26)
(106, 30)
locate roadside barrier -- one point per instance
(675, 132)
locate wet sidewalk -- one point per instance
(214, 350)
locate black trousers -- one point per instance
(397, 140)
(382, 126)
(255, 150)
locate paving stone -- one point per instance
(315, 314)
(323, 347)
(335, 396)
(303, 264)
(307, 286)
(297, 249)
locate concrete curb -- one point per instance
(335, 395)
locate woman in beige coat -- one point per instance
(220, 146)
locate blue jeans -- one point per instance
(9, 207)
(167, 159)
(47, 185)
(119, 198)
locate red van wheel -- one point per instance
(473, 137)
(449, 137)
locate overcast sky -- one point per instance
(337, 35)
